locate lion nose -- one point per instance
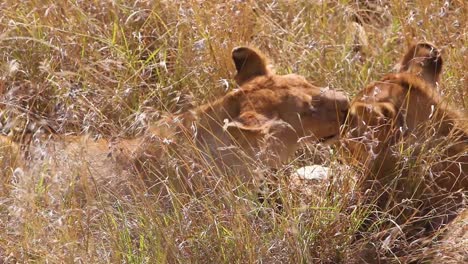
(341, 102)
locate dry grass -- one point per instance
(108, 68)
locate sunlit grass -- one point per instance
(110, 68)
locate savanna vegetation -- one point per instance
(108, 69)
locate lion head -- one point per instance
(275, 112)
(399, 105)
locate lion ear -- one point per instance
(272, 137)
(423, 59)
(249, 63)
(250, 122)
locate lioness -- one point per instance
(405, 108)
(262, 120)
(412, 146)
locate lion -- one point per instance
(411, 144)
(404, 109)
(263, 121)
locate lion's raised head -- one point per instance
(394, 107)
(408, 140)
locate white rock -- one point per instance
(313, 172)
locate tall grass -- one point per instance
(109, 68)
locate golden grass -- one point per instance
(108, 68)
